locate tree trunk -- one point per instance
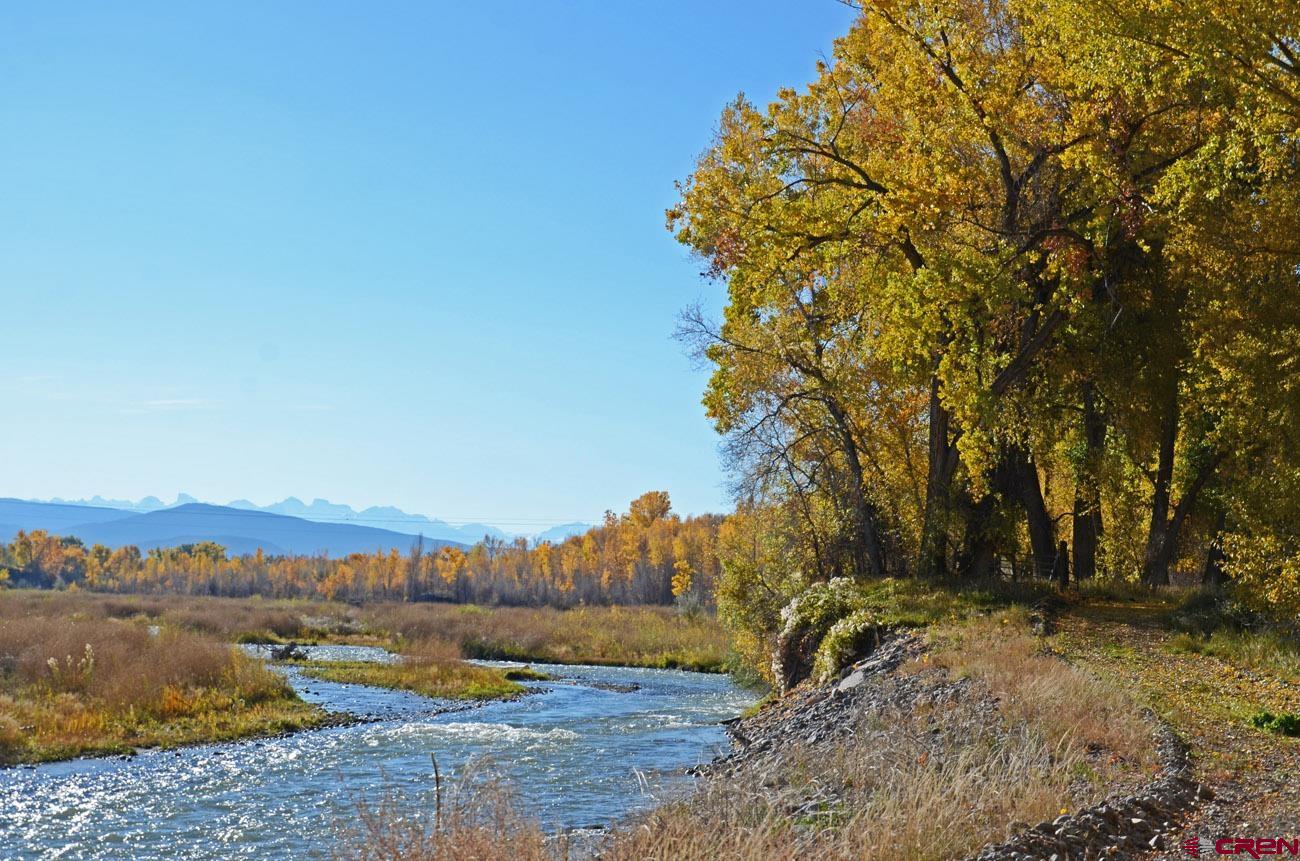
(1085, 537)
(938, 490)
(1156, 561)
(864, 543)
(978, 553)
(1042, 539)
(1213, 575)
(979, 544)
(1061, 566)
(1087, 523)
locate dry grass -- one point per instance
(477, 819)
(70, 686)
(630, 636)
(624, 636)
(929, 784)
(1074, 709)
(905, 786)
(432, 667)
(232, 619)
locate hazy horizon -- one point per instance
(358, 514)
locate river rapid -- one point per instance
(586, 749)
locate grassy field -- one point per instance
(618, 636)
(70, 687)
(625, 636)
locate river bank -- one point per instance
(1086, 730)
(71, 686)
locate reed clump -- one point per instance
(475, 817)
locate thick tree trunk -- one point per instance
(979, 543)
(1042, 538)
(1159, 555)
(978, 553)
(938, 490)
(864, 541)
(1087, 523)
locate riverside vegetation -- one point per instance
(85, 673)
(72, 686)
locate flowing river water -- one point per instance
(583, 750)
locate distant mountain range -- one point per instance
(323, 511)
(239, 531)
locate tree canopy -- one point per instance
(1011, 288)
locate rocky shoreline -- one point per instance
(1135, 818)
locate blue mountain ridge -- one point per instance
(240, 531)
(323, 511)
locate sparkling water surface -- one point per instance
(577, 754)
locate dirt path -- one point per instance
(1255, 774)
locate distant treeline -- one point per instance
(647, 556)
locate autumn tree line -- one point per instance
(647, 556)
(1011, 289)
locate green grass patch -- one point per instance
(526, 674)
(1264, 651)
(1287, 724)
(442, 680)
(920, 603)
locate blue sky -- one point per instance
(397, 253)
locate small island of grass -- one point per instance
(432, 668)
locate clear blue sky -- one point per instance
(393, 253)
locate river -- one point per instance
(577, 752)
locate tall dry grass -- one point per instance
(72, 685)
(1077, 711)
(631, 636)
(909, 787)
(122, 665)
(476, 818)
(636, 636)
(233, 619)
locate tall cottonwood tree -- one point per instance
(1021, 227)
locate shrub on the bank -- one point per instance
(849, 638)
(805, 622)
